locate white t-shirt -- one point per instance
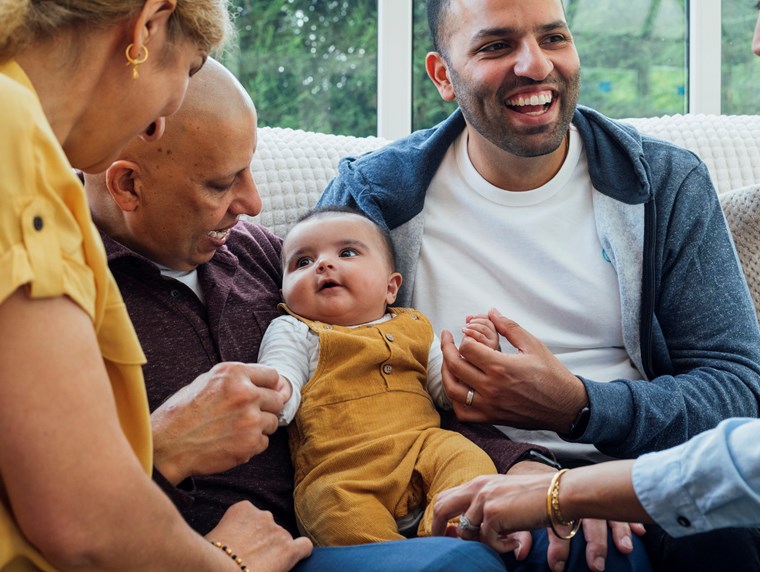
(534, 255)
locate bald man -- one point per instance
(201, 286)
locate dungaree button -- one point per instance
(389, 337)
(387, 368)
(38, 223)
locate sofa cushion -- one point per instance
(728, 144)
(292, 167)
(742, 210)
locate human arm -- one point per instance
(290, 347)
(524, 389)
(712, 481)
(504, 503)
(699, 346)
(219, 421)
(595, 531)
(64, 455)
(688, 323)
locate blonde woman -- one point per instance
(78, 80)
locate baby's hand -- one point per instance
(481, 329)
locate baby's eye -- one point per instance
(303, 261)
(348, 252)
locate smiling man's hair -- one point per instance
(329, 211)
(437, 11)
(436, 16)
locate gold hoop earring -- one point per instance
(141, 58)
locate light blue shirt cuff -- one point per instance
(712, 481)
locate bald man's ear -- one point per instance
(438, 72)
(123, 183)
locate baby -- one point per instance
(367, 447)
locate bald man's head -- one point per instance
(175, 200)
(215, 101)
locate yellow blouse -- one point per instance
(49, 244)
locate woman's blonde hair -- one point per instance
(205, 22)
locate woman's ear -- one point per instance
(394, 283)
(153, 17)
(123, 183)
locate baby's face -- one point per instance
(336, 270)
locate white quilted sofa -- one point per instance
(292, 167)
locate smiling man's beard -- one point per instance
(485, 115)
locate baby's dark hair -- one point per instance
(326, 211)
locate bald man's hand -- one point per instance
(219, 421)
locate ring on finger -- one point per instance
(470, 397)
(465, 524)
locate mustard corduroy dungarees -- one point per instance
(366, 442)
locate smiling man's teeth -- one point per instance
(521, 101)
(219, 234)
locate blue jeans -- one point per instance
(442, 554)
(637, 561)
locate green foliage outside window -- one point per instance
(312, 64)
(309, 64)
(740, 70)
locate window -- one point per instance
(314, 64)
(633, 55)
(740, 71)
(309, 64)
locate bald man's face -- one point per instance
(194, 185)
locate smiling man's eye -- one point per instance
(495, 46)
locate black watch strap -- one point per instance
(538, 457)
(578, 428)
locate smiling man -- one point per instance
(608, 248)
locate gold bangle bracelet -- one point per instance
(554, 513)
(228, 551)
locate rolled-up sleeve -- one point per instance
(711, 481)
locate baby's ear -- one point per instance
(394, 283)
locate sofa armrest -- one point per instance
(742, 210)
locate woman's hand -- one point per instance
(501, 505)
(258, 541)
